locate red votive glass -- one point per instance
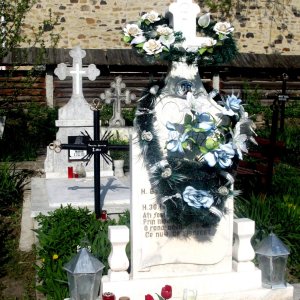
(70, 172)
(103, 215)
(108, 296)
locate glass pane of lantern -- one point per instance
(278, 274)
(265, 267)
(85, 286)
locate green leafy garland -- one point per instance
(152, 38)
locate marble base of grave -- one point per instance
(242, 282)
(49, 194)
(227, 286)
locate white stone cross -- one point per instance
(77, 71)
(116, 93)
(183, 18)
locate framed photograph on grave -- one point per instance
(77, 155)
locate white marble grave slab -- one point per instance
(49, 194)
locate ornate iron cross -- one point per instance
(97, 147)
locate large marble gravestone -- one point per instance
(73, 118)
(161, 248)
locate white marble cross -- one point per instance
(183, 18)
(116, 93)
(77, 71)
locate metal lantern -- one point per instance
(272, 255)
(84, 276)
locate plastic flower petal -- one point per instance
(152, 47)
(138, 40)
(175, 140)
(152, 16)
(239, 141)
(204, 20)
(167, 40)
(232, 105)
(205, 122)
(132, 30)
(221, 156)
(224, 28)
(197, 198)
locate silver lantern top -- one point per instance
(272, 246)
(84, 263)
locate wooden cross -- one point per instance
(77, 71)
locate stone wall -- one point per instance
(97, 24)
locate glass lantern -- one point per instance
(84, 276)
(272, 255)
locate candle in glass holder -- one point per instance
(189, 294)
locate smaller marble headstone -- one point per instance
(74, 118)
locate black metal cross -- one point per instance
(97, 147)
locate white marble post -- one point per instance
(243, 252)
(117, 260)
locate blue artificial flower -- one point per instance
(222, 156)
(205, 122)
(175, 139)
(232, 105)
(197, 198)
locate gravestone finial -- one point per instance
(183, 14)
(116, 94)
(77, 72)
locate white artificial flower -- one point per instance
(207, 42)
(204, 20)
(152, 16)
(164, 30)
(132, 30)
(239, 140)
(152, 47)
(223, 28)
(167, 40)
(138, 40)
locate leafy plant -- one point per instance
(116, 139)
(278, 212)
(27, 129)
(12, 182)
(59, 234)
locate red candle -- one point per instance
(108, 296)
(70, 172)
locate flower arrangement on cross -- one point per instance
(153, 38)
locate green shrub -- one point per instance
(12, 182)
(278, 212)
(59, 234)
(27, 129)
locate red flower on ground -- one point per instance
(148, 297)
(166, 292)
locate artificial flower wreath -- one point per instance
(153, 38)
(192, 177)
